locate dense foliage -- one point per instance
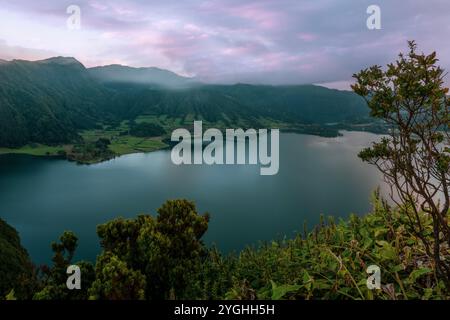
(89, 152)
(52, 280)
(146, 130)
(15, 265)
(230, 105)
(47, 101)
(158, 258)
(331, 262)
(163, 257)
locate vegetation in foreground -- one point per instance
(415, 157)
(163, 257)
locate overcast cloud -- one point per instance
(260, 41)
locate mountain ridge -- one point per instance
(50, 101)
(141, 75)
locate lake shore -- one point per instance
(127, 144)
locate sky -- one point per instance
(228, 41)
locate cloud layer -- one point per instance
(257, 41)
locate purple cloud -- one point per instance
(258, 41)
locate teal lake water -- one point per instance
(42, 197)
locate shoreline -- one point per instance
(44, 150)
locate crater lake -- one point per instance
(42, 197)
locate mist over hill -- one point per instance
(150, 76)
(50, 101)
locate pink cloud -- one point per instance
(265, 18)
(304, 36)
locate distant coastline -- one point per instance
(151, 144)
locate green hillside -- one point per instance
(150, 76)
(53, 102)
(15, 264)
(47, 101)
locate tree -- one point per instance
(53, 279)
(414, 157)
(174, 248)
(166, 250)
(116, 281)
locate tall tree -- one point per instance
(162, 253)
(53, 279)
(414, 157)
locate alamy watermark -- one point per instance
(74, 278)
(235, 147)
(373, 22)
(74, 20)
(374, 278)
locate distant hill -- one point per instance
(299, 103)
(305, 104)
(47, 101)
(151, 76)
(50, 101)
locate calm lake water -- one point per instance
(42, 197)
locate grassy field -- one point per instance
(35, 150)
(123, 143)
(120, 144)
(128, 144)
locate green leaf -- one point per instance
(387, 251)
(11, 295)
(278, 292)
(418, 273)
